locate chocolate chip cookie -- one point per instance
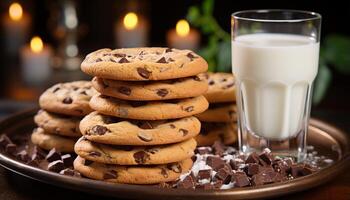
(136, 64)
(219, 112)
(152, 90)
(135, 155)
(132, 174)
(221, 87)
(112, 130)
(211, 132)
(70, 98)
(50, 141)
(58, 124)
(153, 110)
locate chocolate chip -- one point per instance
(53, 155)
(265, 159)
(183, 131)
(189, 109)
(215, 162)
(141, 157)
(111, 174)
(191, 56)
(152, 150)
(164, 173)
(167, 50)
(162, 60)
(241, 179)
(162, 92)
(186, 183)
(56, 89)
(172, 126)
(124, 60)
(204, 174)
(33, 163)
(253, 158)
(56, 166)
(252, 169)
(23, 156)
(211, 82)
(228, 86)
(110, 120)
(175, 167)
(83, 93)
(145, 136)
(218, 148)
(170, 60)
(97, 130)
(112, 60)
(98, 60)
(88, 162)
(224, 174)
(11, 149)
(67, 160)
(124, 90)
(196, 78)
(67, 100)
(94, 154)
(137, 103)
(70, 172)
(143, 72)
(119, 55)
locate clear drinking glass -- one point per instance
(275, 61)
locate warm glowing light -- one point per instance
(15, 11)
(182, 28)
(36, 44)
(130, 20)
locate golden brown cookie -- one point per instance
(211, 132)
(219, 112)
(221, 87)
(50, 141)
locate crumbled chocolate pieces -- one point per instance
(67, 160)
(186, 183)
(56, 166)
(53, 155)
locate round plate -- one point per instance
(326, 139)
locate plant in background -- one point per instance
(334, 52)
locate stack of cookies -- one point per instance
(143, 128)
(62, 107)
(219, 121)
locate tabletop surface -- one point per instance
(17, 187)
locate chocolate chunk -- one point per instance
(228, 86)
(70, 172)
(162, 92)
(202, 150)
(234, 164)
(191, 56)
(224, 174)
(281, 167)
(98, 60)
(88, 162)
(111, 174)
(162, 60)
(23, 156)
(218, 148)
(253, 158)
(172, 126)
(211, 82)
(56, 89)
(215, 162)
(68, 160)
(265, 159)
(53, 155)
(240, 179)
(164, 173)
(206, 186)
(307, 170)
(95, 154)
(34, 163)
(124, 90)
(97, 130)
(56, 166)
(11, 149)
(67, 100)
(175, 167)
(196, 78)
(204, 174)
(170, 60)
(146, 125)
(144, 136)
(298, 170)
(167, 50)
(183, 131)
(252, 169)
(217, 184)
(4, 141)
(186, 183)
(119, 55)
(112, 60)
(83, 92)
(38, 154)
(124, 60)
(143, 72)
(137, 103)
(189, 109)
(141, 157)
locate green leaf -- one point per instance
(224, 57)
(207, 26)
(321, 83)
(207, 7)
(337, 52)
(193, 15)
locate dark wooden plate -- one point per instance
(327, 140)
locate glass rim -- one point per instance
(313, 15)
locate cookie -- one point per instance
(112, 130)
(154, 110)
(135, 155)
(58, 124)
(211, 132)
(152, 90)
(220, 112)
(50, 141)
(221, 87)
(70, 98)
(143, 64)
(132, 174)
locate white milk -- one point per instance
(275, 73)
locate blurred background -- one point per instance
(43, 42)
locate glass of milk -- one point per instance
(275, 61)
